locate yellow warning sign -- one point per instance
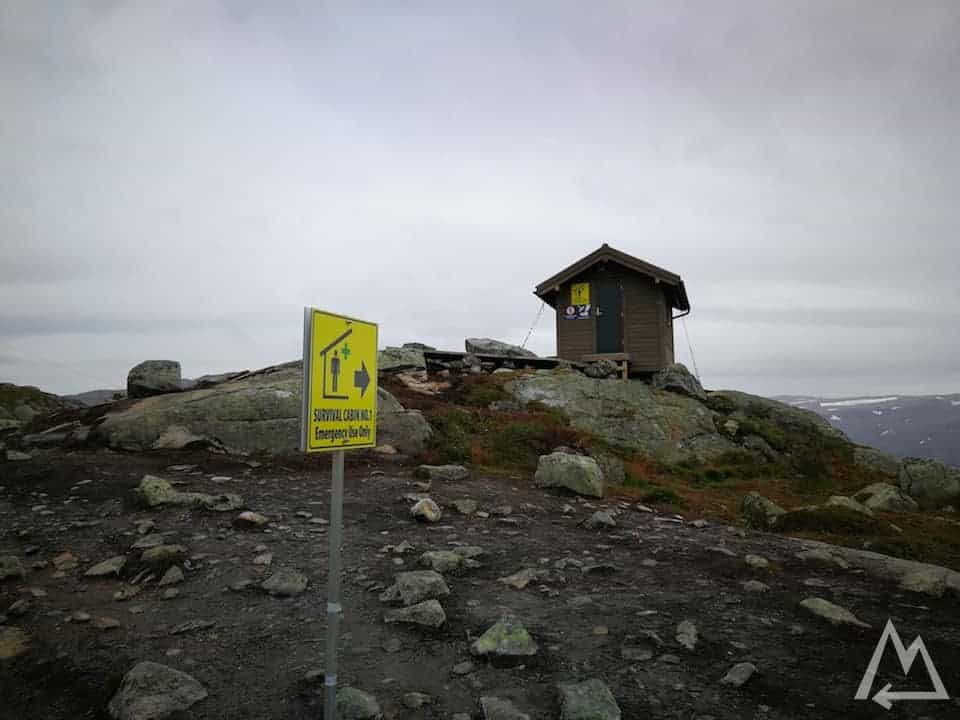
(580, 294)
(340, 382)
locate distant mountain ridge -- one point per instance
(926, 426)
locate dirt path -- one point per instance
(645, 574)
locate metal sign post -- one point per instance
(339, 413)
(333, 588)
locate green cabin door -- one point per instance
(609, 317)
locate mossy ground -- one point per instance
(810, 467)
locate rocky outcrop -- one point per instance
(487, 346)
(394, 359)
(931, 483)
(577, 473)
(153, 377)
(742, 406)
(630, 415)
(19, 404)
(259, 412)
(676, 378)
(885, 498)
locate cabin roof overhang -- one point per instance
(676, 292)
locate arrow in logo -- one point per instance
(361, 378)
(906, 655)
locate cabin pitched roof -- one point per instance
(547, 290)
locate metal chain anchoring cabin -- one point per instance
(617, 307)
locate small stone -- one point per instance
(286, 583)
(113, 566)
(14, 642)
(589, 700)
(442, 473)
(833, 614)
(264, 559)
(755, 586)
(106, 623)
(151, 691)
(80, 616)
(416, 700)
(65, 562)
(739, 674)
(251, 520)
(600, 630)
(393, 645)
(519, 580)
(170, 594)
(173, 576)
(465, 506)
(757, 562)
(600, 520)
(463, 668)
(11, 568)
(426, 510)
(419, 585)
(353, 704)
(493, 708)
(429, 614)
(160, 558)
(148, 541)
(687, 634)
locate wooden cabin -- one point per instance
(614, 306)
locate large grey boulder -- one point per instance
(577, 473)
(153, 377)
(761, 513)
(676, 378)
(394, 359)
(876, 461)
(631, 415)
(931, 483)
(151, 691)
(886, 498)
(487, 346)
(258, 412)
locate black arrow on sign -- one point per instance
(361, 378)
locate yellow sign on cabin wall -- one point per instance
(580, 294)
(340, 382)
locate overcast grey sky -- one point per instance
(180, 178)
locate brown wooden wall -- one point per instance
(647, 325)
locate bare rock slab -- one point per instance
(151, 691)
(588, 700)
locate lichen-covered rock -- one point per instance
(630, 416)
(426, 510)
(154, 492)
(20, 404)
(14, 642)
(676, 378)
(151, 691)
(153, 377)
(577, 473)
(487, 346)
(885, 497)
(849, 504)
(416, 586)
(256, 412)
(761, 513)
(286, 583)
(494, 708)
(11, 568)
(931, 483)
(506, 638)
